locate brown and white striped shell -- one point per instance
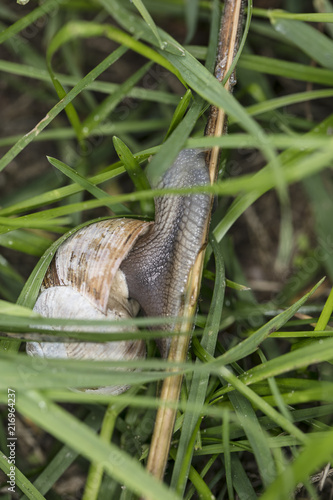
(84, 281)
(108, 269)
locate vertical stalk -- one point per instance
(231, 25)
(216, 126)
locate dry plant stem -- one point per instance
(165, 418)
(230, 31)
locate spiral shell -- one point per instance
(84, 282)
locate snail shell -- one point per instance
(84, 281)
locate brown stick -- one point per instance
(230, 30)
(165, 418)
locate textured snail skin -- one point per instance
(158, 266)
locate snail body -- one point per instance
(111, 268)
(158, 265)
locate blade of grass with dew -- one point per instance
(101, 112)
(192, 19)
(55, 225)
(10, 272)
(199, 382)
(326, 313)
(246, 141)
(60, 106)
(25, 241)
(62, 133)
(179, 112)
(318, 191)
(316, 453)
(301, 334)
(250, 344)
(317, 352)
(194, 74)
(227, 455)
(287, 384)
(279, 102)
(296, 171)
(69, 430)
(30, 18)
(20, 479)
(267, 409)
(324, 7)
(276, 393)
(60, 193)
(81, 374)
(16, 310)
(94, 478)
(98, 193)
(282, 14)
(64, 457)
(292, 391)
(246, 183)
(303, 415)
(134, 171)
(308, 39)
(243, 445)
(20, 230)
(70, 110)
(240, 480)
(259, 444)
(197, 480)
(242, 202)
(171, 147)
(149, 20)
(104, 87)
(255, 434)
(306, 396)
(287, 69)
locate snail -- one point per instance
(112, 268)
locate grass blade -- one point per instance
(98, 193)
(60, 106)
(250, 344)
(74, 433)
(308, 39)
(22, 482)
(199, 383)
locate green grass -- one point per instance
(94, 103)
